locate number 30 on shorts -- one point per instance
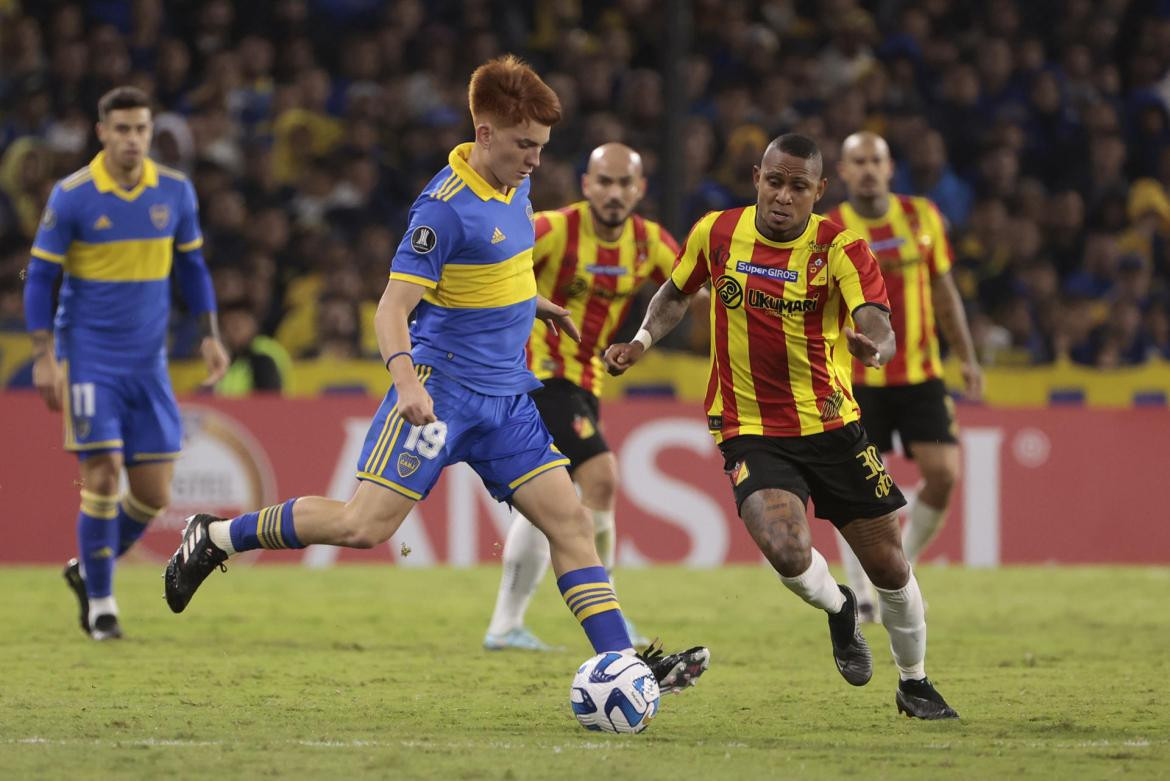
(427, 440)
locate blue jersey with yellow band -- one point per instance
(471, 247)
(116, 247)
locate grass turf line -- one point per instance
(365, 671)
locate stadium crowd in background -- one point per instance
(1041, 129)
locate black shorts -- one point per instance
(841, 471)
(573, 417)
(923, 412)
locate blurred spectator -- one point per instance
(309, 127)
(259, 363)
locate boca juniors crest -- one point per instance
(160, 215)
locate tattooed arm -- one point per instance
(665, 311)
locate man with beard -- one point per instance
(590, 258)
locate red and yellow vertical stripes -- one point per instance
(595, 280)
(911, 246)
(776, 315)
(589, 599)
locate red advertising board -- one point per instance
(1050, 485)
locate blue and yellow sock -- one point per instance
(590, 596)
(134, 516)
(97, 542)
(270, 528)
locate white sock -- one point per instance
(905, 620)
(605, 533)
(220, 533)
(102, 606)
(816, 585)
(854, 572)
(924, 523)
(526, 557)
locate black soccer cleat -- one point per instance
(920, 700)
(106, 627)
(850, 650)
(76, 583)
(195, 559)
(675, 672)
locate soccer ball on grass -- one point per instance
(614, 692)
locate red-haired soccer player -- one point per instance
(461, 381)
(907, 395)
(784, 281)
(590, 257)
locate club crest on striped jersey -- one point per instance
(423, 239)
(730, 292)
(407, 464)
(160, 215)
(831, 406)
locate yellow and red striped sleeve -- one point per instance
(691, 268)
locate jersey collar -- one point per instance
(459, 164)
(106, 184)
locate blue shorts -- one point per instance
(134, 413)
(501, 437)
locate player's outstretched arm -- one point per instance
(391, 326)
(873, 342)
(666, 309)
(952, 319)
(557, 318)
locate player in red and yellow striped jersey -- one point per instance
(779, 403)
(590, 258)
(907, 395)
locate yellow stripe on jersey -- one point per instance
(485, 285)
(414, 280)
(190, 245)
(129, 260)
(449, 182)
(452, 194)
(52, 257)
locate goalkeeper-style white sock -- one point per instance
(102, 606)
(904, 618)
(605, 534)
(220, 533)
(816, 585)
(854, 572)
(526, 557)
(924, 523)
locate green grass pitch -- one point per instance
(361, 671)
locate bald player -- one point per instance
(590, 258)
(907, 395)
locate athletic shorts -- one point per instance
(839, 470)
(923, 412)
(573, 417)
(134, 413)
(501, 437)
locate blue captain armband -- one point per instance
(38, 293)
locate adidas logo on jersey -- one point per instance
(103, 223)
(498, 236)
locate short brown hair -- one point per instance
(508, 90)
(121, 98)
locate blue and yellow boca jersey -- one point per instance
(116, 247)
(471, 247)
